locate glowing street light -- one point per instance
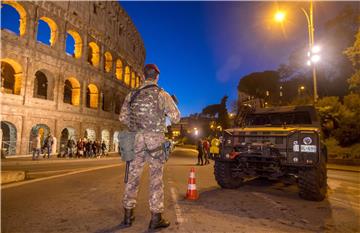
(314, 50)
(279, 16)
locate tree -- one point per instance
(261, 85)
(353, 54)
(219, 111)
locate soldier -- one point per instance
(144, 111)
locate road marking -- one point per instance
(178, 213)
(57, 176)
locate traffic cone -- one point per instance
(191, 193)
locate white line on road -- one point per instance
(57, 176)
(179, 218)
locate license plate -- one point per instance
(308, 148)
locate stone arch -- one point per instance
(93, 54)
(72, 91)
(107, 101)
(90, 134)
(41, 129)
(137, 83)
(127, 76)
(11, 76)
(133, 80)
(53, 31)
(9, 138)
(92, 96)
(105, 136)
(116, 141)
(43, 85)
(119, 69)
(108, 62)
(22, 15)
(77, 50)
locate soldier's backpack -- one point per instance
(126, 137)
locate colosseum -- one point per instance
(66, 69)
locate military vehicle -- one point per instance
(276, 143)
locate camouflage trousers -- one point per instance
(145, 142)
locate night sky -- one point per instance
(203, 48)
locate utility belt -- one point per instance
(127, 147)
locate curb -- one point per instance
(12, 176)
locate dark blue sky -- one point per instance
(203, 48)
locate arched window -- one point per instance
(39, 129)
(13, 17)
(108, 62)
(40, 85)
(72, 91)
(127, 76)
(119, 69)
(9, 137)
(105, 137)
(92, 96)
(137, 82)
(47, 31)
(11, 77)
(93, 54)
(133, 80)
(73, 44)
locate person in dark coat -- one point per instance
(200, 153)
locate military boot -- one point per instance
(128, 218)
(157, 222)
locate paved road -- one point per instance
(90, 201)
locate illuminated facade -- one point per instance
(44, 88)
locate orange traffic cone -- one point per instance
(191, 193)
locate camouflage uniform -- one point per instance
(146, 116)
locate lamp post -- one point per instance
(313, 50)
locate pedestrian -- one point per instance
(144, 111)
(70, 145)
(214, 149)
(200, 153)
(103, 148)
(36, 146)
(206, 148)
(48, 145)
(94, 149)
(80, 148)
(89, 149)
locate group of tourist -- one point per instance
(206, 151)
(83, 148)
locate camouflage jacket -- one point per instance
(149, 110)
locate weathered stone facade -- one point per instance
(82, 94)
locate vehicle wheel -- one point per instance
(225, 176)
(313, 182)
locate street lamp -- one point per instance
(314, 50)
(279, 16)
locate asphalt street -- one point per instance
(85, 196)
